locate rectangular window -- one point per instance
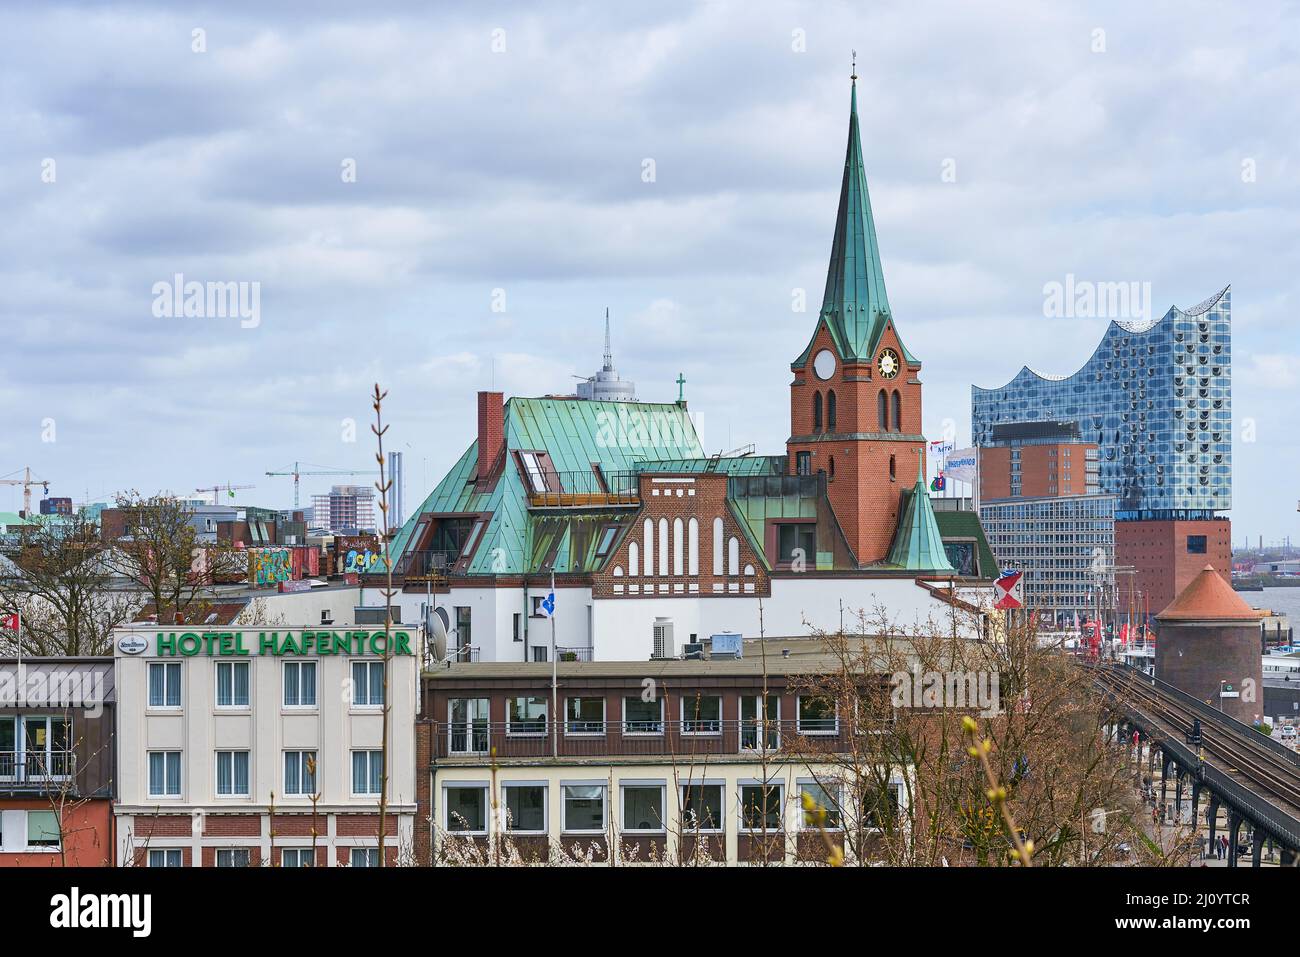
(702, 714)
(296, 857)
(607, 537)
(232, 773)
(526, 808)
(702, 807)
(367, 766)
(367, 684)
(164, 684)
(817, 715)
(526, 715)
(8, 748)
(464, 615)
(796, 541)
(584, 808)
(760, 807)
(536, 468)
(643, 808)
(517, 627)
(819, 806)
(643, 717)
(759, 732)
(232, 857)
(165, 857)
(300, 684)
(465, 809)
(364, 857)
(43, 829)
(584, 716)
(467, 724)
(803, 463)
(880, 808)
(1196, 544)
(164, 774)
(300, 773)
(540, 654)
(232, 684)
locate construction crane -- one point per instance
(297, 471)
(27, 481)
(229, 489)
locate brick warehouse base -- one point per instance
(1161, 551)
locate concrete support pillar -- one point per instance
(1178, 796)
(1213, 814)
(1234, 836)
(1256, 847)
(1165, 761)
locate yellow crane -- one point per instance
(297, 471)
(229, 489)
(27, 481)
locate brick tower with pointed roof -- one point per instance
(855, 401)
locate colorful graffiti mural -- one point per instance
(269, 566)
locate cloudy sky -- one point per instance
(447, 201)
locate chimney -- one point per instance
(491, 430)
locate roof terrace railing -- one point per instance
(585, 488)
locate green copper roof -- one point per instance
(733, 465)
(918, 546)
(855, 306)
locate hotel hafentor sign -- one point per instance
(223, 644)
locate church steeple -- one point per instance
(855, 304)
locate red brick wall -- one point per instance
(164, 825)
(862, 494)
(1042, 473)
(423, 792)
(491, 429)
(364, 825)
(232, 825)
(87, 836)
(1158, 550)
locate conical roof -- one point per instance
(918, 546)
(1208, 597)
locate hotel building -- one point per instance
(242, 747)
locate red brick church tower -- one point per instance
(855, 402)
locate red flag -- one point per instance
(9, 622)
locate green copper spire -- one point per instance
(855, 304)
(918, 546)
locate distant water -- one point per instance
(1284, 601)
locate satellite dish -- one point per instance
(438, 622)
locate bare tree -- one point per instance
(383, 486)
(60, 580)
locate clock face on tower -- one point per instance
(887, 363)
(824, 364)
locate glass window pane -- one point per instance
(526, 808)
(466, 809)
(584, 807)
(307, 683)
(240, 692)
(157, 684)
(643, 808)
(702, 807)
(824, 804)
(173, 677)
(42, 829)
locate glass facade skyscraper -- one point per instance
(1156, 398)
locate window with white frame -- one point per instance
(164, 774)
(702, 806)
(43, 830)
(9, 762)
(817, 715)
(760, 806)
(701, 714)
(584, 715)
(367, 767)
(643, 717)
(364, 857)
(468, 725)
(232, 857)
(164, 684)
(296, 857)
(232, 774)
(300, 684)
(300, 773)
(165, 857)
(465, 808)
(643, 808)
(880, 805)
(35, 747)
(367, 684)
(525, 808)
(819, 803)
(760, 731)
(526, 715)
(232, 684)
(584, 808)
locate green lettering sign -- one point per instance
(226, 644)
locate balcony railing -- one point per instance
(424, 565)
(593, 738)
(575, 489)
(35, 769)
(572, 654)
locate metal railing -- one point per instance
(586, 488)
(35, 768)
(572, 654)
(424, 564)
(591, 738)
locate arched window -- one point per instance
(893, 473)
(633, 560)
(663, 548)
(882, 410)
(817, 411)
(832, 469)
(733, 556)
(693, 547)
(679, 548)
(649, 536)
(830, 411)
(898, 412)
(717, 547)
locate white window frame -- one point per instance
(604, 717)
(692, 699)
(505, 807)
(604, 805)
(371, 850)
(166, 855)
(895, 786)
(662, 787)
(300, 853)
(297, 667)
(758, 730)
(302, 771)
(479, 786)
(470, 731)
(216, 688)
(232, 851)
(546, 721)
(688, 828)
(54, 848)
(168, 667)
(216, 776)
(180, 774)
(643, 734)
(780, 805)
(356, 704)
(834, 793)
(798, 718)
(374, 755)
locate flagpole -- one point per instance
(555, 680)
